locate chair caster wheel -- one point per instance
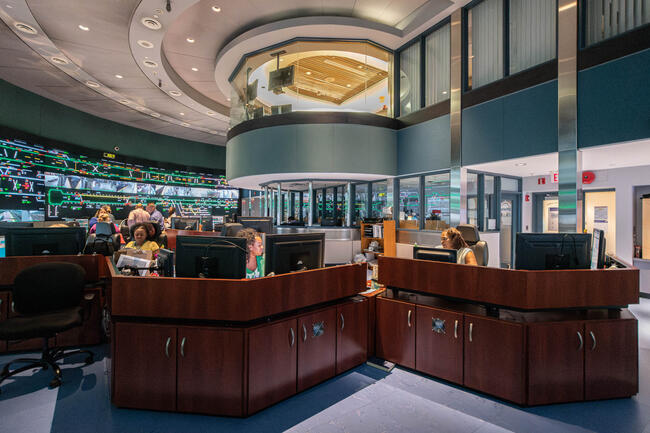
(56, 382)
(89, 360)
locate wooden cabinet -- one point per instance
(395, 339)
(272, 364)
(145, 366)
(439, 343)
(611, 359)
(494, 357)
(4, 297)
(555, 362)
(316, 348)
(387, 242)
(91, 331)
(210, 371)
(351, 335)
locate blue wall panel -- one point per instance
(424, 147)
(482, 132)
(614, 101)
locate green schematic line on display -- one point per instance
(58, 197)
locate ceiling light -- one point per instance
(210, 113)
(150, 64)
(520, 164)
(125, 101)
(212, 131)
(151, 23)
(185, 124)
(118, 76)
(155, 114)
(145, 44)
(444, 93)
(195, 69)
(175, 93)
(9, 7)
(228, 99)
(84, 28)
(182, 114)
(216, 9)
(92, 84)
(25, 28)
(348, 85)
(308, 72)
(190, 40)
(140, 108)
(59, 60)
(157, 11)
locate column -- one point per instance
(455, 118)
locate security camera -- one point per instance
(116, 148)
(169, 6)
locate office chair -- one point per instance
(479, 247)
(48, 298)
(125, 231)
(158, 237)
(104, 241)
(231, 229)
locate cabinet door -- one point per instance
(396, 331)
(316, 348)
(144, 366)
(272, 364)
(494, 357)
(439, 343)
(611, 359)
(210, 371)
(351, 335)
(4, 296)
(555, 362)
(91, 331)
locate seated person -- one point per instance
(453, 240)
(168, 220)
(105, 218)
(254, 257)
(140, 241)
(138, 215)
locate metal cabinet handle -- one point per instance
(455, 328)
(342, 322)
(593, 339)
(293, 337)
(471, 328)
(408, 318)
(0, 308)
(13, 307)
(169, 340)
(580, 339)
(183, 347)
(304, 332)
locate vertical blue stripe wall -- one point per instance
(424, 147)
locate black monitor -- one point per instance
(435, 254)
(165, 262)
(280, 78)
(294, 252)
(548, 251)
(598, 249)
(260, 224)
(185, 223)
(210, 257)
(251, 91)
(43, 241)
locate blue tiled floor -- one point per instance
(362, 400)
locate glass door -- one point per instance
(510, 222)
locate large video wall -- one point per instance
(39, 183)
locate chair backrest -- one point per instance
(479, 248)
(231, 229)
(103, 229)
(481, 253)
(469, 233)
(125, 231)
(48, 287)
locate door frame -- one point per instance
(515, 197)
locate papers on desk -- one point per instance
(135, 262)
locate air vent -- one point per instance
(92, 84)
(59, 60)
(151, 23)
(150, 64)
(145, 44)
(175, 93)
(25, 28)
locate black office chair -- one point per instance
(158, 237)
(473, 240)
(125, 231)
(231, 229)
(48, 298)
(104, 241)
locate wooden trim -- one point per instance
(611, 49)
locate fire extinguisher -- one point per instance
(637, 251)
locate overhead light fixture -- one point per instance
(90, 83)
(140, 108)
(228, 99)
(210, 113)
(118, 76)
(212, 131)
(125, 101)
(190, 40)
(185, 124)
(9, 7)
(444, 93)
(175, 93)
(155, 115)
(59, 60)
(348, 85)
(216, 9)
(150, 64)
(308, 72)
(182, 114)
(151, 23)
(145, 44)
(84, 28)
(520, 164)
(25, 28)
(195, 69)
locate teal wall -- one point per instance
(33, 114)
(614, 101)
(313, 148)
(516, 125)
(424, 147)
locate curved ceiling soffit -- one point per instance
(147, 46)
(25, 26)
(323, 27)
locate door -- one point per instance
(494, 357)
(145, 366)
(272, 364)
(509, 226)
(316, 348)
(396, 331)
(600, 213)
(351, 335)
(210, 371)
(439, 343)
(611, 359)
(555, 362)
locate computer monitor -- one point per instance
(43, 241)
(260, 224)
(598, 249)
(294, 252)
(547, 251)
(165, 262)
(435, 254)
(185, 223)
(210, 257)
(280, 78)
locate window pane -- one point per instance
(409, 203)
(436, 201)
(485, 43)
(489, 204)
(379, 199)
(472, 198)
(305, 206)
(437, 67)
(360, 203)
(532, 33)
(608, 18)
(409, 79)
(510, 185)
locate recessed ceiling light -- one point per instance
(157, 11)
(118, 76)
(25, 28)
(348, 85)
(216, 9)
(185, 124)
(360, 67)
(190, 40)
(92, 84)
(151, 23)
(140, 108)
(520, 164)
(182, 114)
(9, 7)
(175, 93)
(195, 69)
(145, 44)
(59, 60)
(444, 93)
(155, 114)
(210, 113)
(84, 28)
(150, 64)
(125, 101)
(212, 131)
(308, 72)
(228, 99)
(156, 16)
